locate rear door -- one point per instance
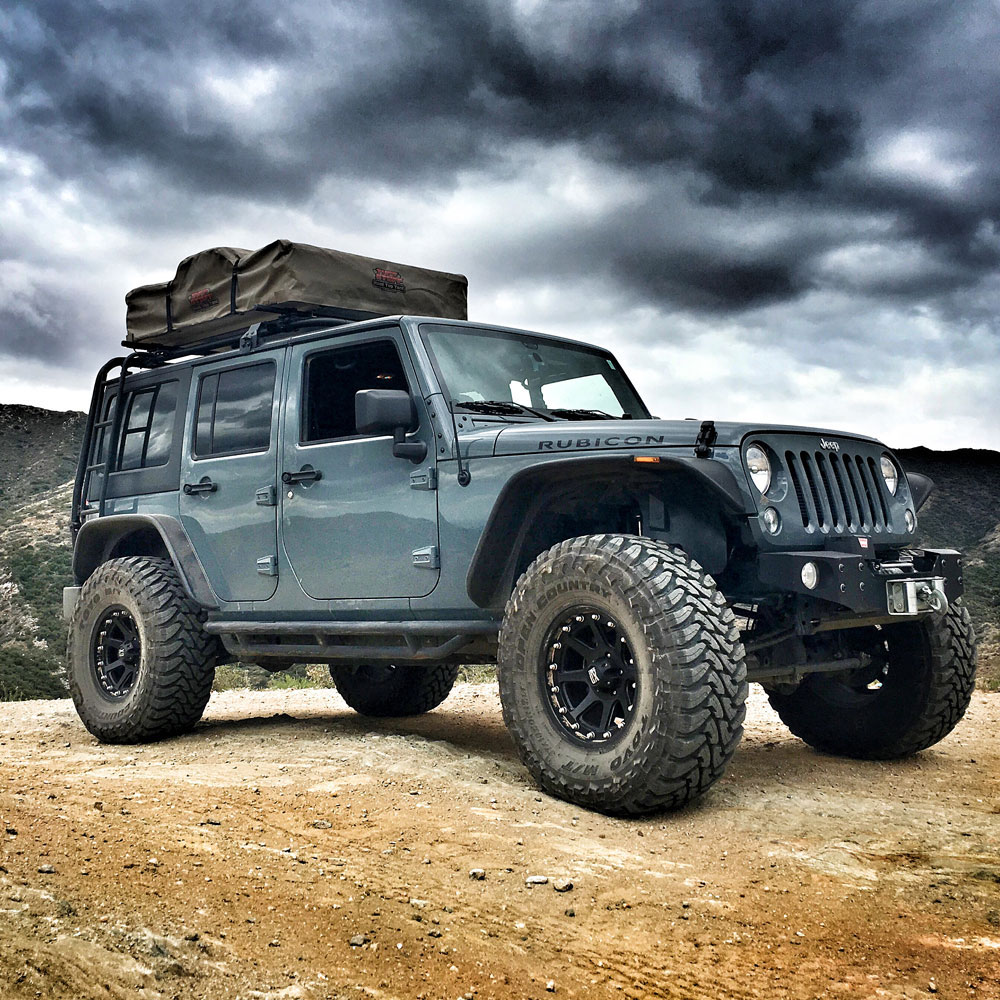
(367, 528)
(228, 477)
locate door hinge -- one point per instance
(424, 479)
(427, 558)
(266, 496)
(267, 565)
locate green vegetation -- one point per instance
(41, 570)
(28, 673)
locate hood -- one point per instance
(601, 435)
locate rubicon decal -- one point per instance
(614, 441)
(391, 281)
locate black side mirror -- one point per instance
(389, 411)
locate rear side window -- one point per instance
(147, 428)
(333, 377)
(234, 411)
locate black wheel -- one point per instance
(914, 693)
(622, 675)
(140, 664)
(387, 689)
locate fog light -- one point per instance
(911, 520)
(771, 520)
(810, 575)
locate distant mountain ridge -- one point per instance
(38, 455)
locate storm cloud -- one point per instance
(812, 185)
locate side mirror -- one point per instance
(389, 411)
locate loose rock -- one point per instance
(537, 880)
(478, 874)
(359, 939)
(562, 885)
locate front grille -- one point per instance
(838, 492)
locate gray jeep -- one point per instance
(400, 495)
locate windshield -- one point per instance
(502, 374)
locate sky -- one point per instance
(769, 211)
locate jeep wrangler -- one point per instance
(398, 495)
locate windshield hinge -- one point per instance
(707, 436)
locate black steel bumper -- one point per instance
(866, 584)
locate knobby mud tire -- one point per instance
(177, 661)
(929, 678)
(393, 690)
(690, 670)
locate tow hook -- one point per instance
(934, 599)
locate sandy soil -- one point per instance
(241, 861)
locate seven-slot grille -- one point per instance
(838, 492)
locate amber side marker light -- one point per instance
(645, 458)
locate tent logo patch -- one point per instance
(391, 281)
(204, 298)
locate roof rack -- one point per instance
(289, 320)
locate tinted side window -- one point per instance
(234, 411)
(147, 428)
(333, 377)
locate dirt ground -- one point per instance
(289, 849)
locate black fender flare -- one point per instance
(98, 537)
(525, 492)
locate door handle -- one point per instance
(302, 476)
(205, 486)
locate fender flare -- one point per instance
(98, 537)
(499, 544)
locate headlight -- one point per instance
(889, 474)
(759, 467)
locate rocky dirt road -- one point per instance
(286, 849)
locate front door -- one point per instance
(229, 474)
(353, 525)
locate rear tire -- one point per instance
(140, 663)
(915, 694)
(622, 675)
(385, 690)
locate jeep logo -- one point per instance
(830, 445)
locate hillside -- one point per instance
(38, 450)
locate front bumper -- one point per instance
(927, 580)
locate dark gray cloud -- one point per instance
(770, 100)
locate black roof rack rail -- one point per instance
(288, 318)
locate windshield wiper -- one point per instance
(500, 408)
(581, 414)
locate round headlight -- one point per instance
(759, 467)
(889, 474)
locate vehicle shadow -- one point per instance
(462, 730)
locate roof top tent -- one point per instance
(217, 293)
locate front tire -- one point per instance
(916, 692)
(622, 675)
(386, 690)
(140, 663)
